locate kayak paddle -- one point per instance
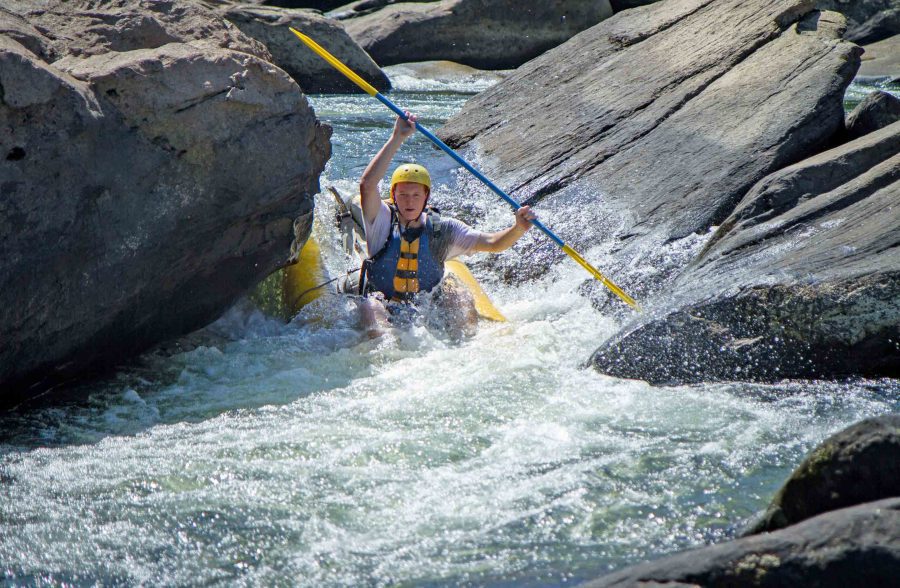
(369, 89)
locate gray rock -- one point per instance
(869, 20)
(859, 464)
(858, 546)
(882, 60)
(487, 34)
(17, 28)
(802, 280)
(82, 28)
(143, 192)
(652, 125)
(878, 110)
(312, 73)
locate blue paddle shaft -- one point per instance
(446, 149)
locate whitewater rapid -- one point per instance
(310, 454)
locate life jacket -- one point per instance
(410, 261)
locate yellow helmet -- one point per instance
(410, 172)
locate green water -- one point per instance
(862, 88)
(309, 454)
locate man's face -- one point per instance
(410, 199)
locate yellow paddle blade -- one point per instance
(300, 279)
(483, 305)
(603, 279)
(335, 62)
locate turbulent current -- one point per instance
(311, 454)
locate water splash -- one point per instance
(308, 453)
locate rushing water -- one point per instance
(865, 86)
(310, 454)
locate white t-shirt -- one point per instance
(463, 238)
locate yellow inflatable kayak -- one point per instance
(299, 280)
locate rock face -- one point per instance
(878, 110)
(145, 186)
(802, 280)
(80, 28)
(859, 464)
(312, 73)
(651, 126)
(882, 60)
(857, 546)
(869, 20)
(487, 34)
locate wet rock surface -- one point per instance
(802, 280)
(857, 546)
(270, 26)
(869, 20)
(487, 34)
(148, 180)
(856, 465)
(657, 121)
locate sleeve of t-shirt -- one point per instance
(377, 231)
(463, 238)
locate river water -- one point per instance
(311, 454)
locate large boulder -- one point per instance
(651, 126)
(878, 110)
(487, 34)
(312, 73)
(869, 20)
(882, 60)
(81, 28)
(144, 190)
(859, 464)
(858, 546)
(802, 280)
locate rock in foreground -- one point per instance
(858, 546)
(801, 281)
(859, 464)
(145, 187)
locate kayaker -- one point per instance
(407, 243)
